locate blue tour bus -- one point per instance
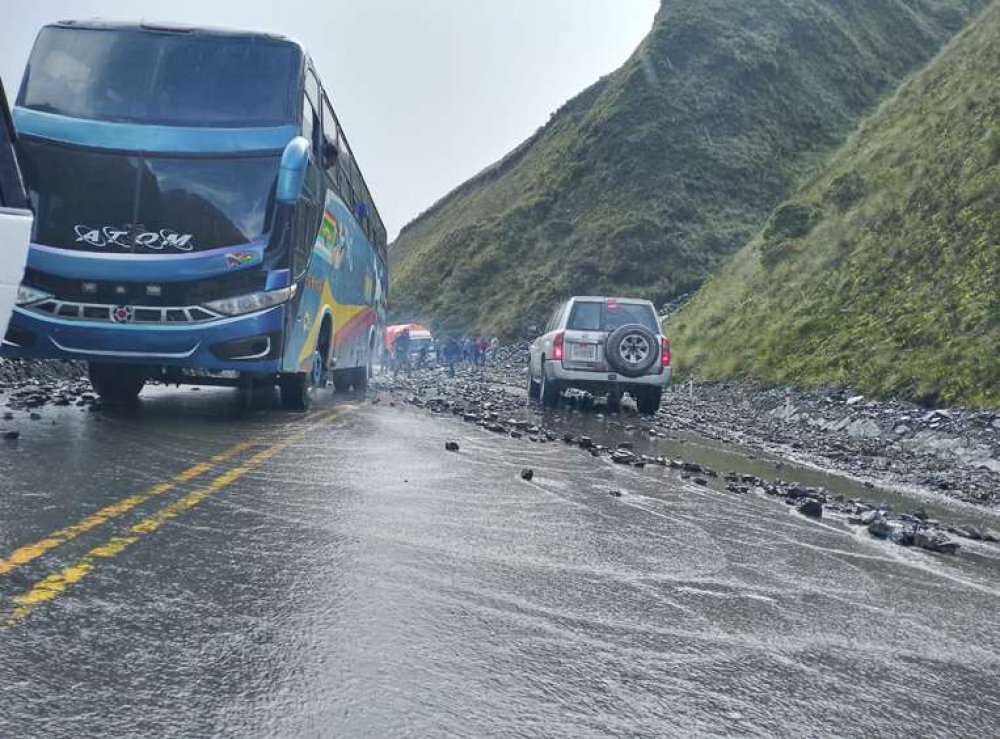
(199, 214)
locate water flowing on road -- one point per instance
(343, 574)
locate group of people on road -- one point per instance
(468, 350)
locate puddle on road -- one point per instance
(610, 430)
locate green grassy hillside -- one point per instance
(648, 181)
(884, 270)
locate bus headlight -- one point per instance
(253, 302)
(28, 295)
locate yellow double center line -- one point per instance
(56, 583)
(33, 551)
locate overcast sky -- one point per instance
(429, 91)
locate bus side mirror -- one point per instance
(330, 153)
(292, 172)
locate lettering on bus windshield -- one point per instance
(111, 236)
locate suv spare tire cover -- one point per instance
(632, 349)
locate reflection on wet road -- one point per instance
(183, 570)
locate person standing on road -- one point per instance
(401, 349)
(484, 346)
(494, 348)
(452, 352)
(422, 357)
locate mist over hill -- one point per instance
(649, 180)
(883, 271)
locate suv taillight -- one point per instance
(665, 356)
(558, 341)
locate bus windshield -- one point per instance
(115, 202)
(151, 77)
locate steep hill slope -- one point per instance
(646, 182)
(884, 271)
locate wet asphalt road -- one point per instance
(189, 570)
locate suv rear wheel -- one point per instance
(549, 392)
(534, 392)
(647, 399)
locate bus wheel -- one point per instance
(117, 383)
(359, 378)
(342, 381)
(297, 387)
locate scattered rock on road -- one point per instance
(812, 509)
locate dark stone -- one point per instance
(622, 456)
(795, 492)
(812, 509)
(527, 473)
(451, 446)
(701, 481)
(935, 541)
(12, 435)
(880, 529)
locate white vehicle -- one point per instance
(606, 346)
(421, 340)
(15, 219)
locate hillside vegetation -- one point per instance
(649, 180)
(884, 270)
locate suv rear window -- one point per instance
(594, 316)
(586, 317)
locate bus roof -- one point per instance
(99, 24)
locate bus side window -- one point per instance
(311, 128)
(306, 222)
(331, 140)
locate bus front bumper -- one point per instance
(250, 343)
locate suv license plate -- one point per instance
(585, 352)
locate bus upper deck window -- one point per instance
(311, 130)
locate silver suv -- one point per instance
(605, 346)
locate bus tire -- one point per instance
(341, 380)
(359, 378)
(117, 383)
(297, 387)
(295, 391)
